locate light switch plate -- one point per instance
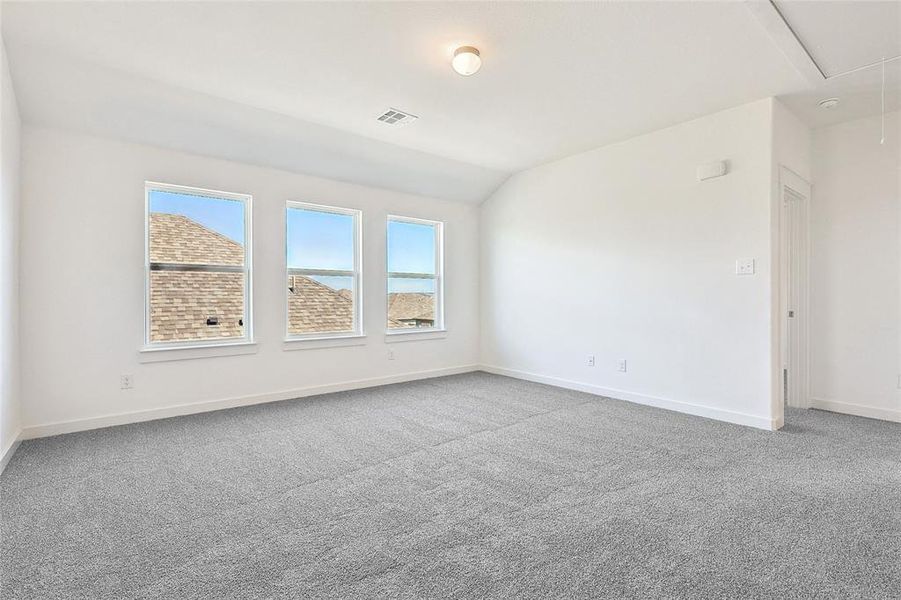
(744, 266)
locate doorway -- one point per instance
(795, 200)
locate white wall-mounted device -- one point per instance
(712, 169)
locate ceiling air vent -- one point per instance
(392, 116)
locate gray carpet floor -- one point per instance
(472, 486)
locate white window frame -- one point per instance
(247, 269)
(439, 325)
(356, 273)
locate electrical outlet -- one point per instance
(744, 266)
(591, 360)
(390, 354)
(127, 382)
(621, 365)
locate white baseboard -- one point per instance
(9, 451)
(675, 405)
(48, 429)
(859, 410)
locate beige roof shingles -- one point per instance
(409, 306)
(182, 301)
(314, 307)
(178, 239)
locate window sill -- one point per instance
(325, 341)
(171, 353)
(414, 335)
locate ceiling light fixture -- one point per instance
(829, 103)
(467, 60)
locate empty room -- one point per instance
(502, 300)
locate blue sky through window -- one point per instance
(320, 240)
(219, 214)
(423, 286)
(411, 249)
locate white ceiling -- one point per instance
(305, 81)
(859, 95)
(841, 36)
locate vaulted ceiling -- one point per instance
(299, 85)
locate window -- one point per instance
(323, 260)
(415, 284)
(197, 264)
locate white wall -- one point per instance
(855, 268)
(620, 252)
(82, 285)
(791, 142)
(10, 417)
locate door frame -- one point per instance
(795, 391)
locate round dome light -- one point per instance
(466, 60)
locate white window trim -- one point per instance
(440, 326)
(198, 346)
(414, 334)
(154, 355)
(326, 339)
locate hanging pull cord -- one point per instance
(882, 141)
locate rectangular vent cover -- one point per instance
(392, 116)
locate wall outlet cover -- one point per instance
(744, 266)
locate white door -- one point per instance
(795, 199)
